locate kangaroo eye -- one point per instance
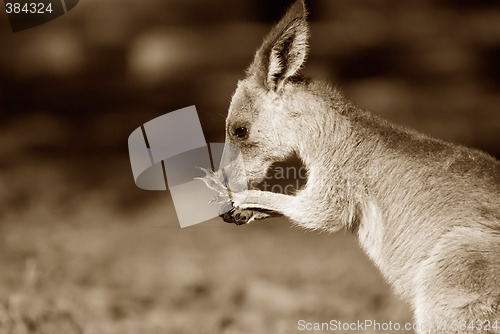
(241, 132)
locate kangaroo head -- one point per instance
(262, 106)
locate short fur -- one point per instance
(427, 212)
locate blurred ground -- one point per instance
(82, 250)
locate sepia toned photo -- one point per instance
(249, 167)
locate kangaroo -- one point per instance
(426, 211)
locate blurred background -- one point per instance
(82, 250)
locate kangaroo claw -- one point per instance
(240, 216)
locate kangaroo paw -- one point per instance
(242, 216)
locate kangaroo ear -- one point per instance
(284, 50)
